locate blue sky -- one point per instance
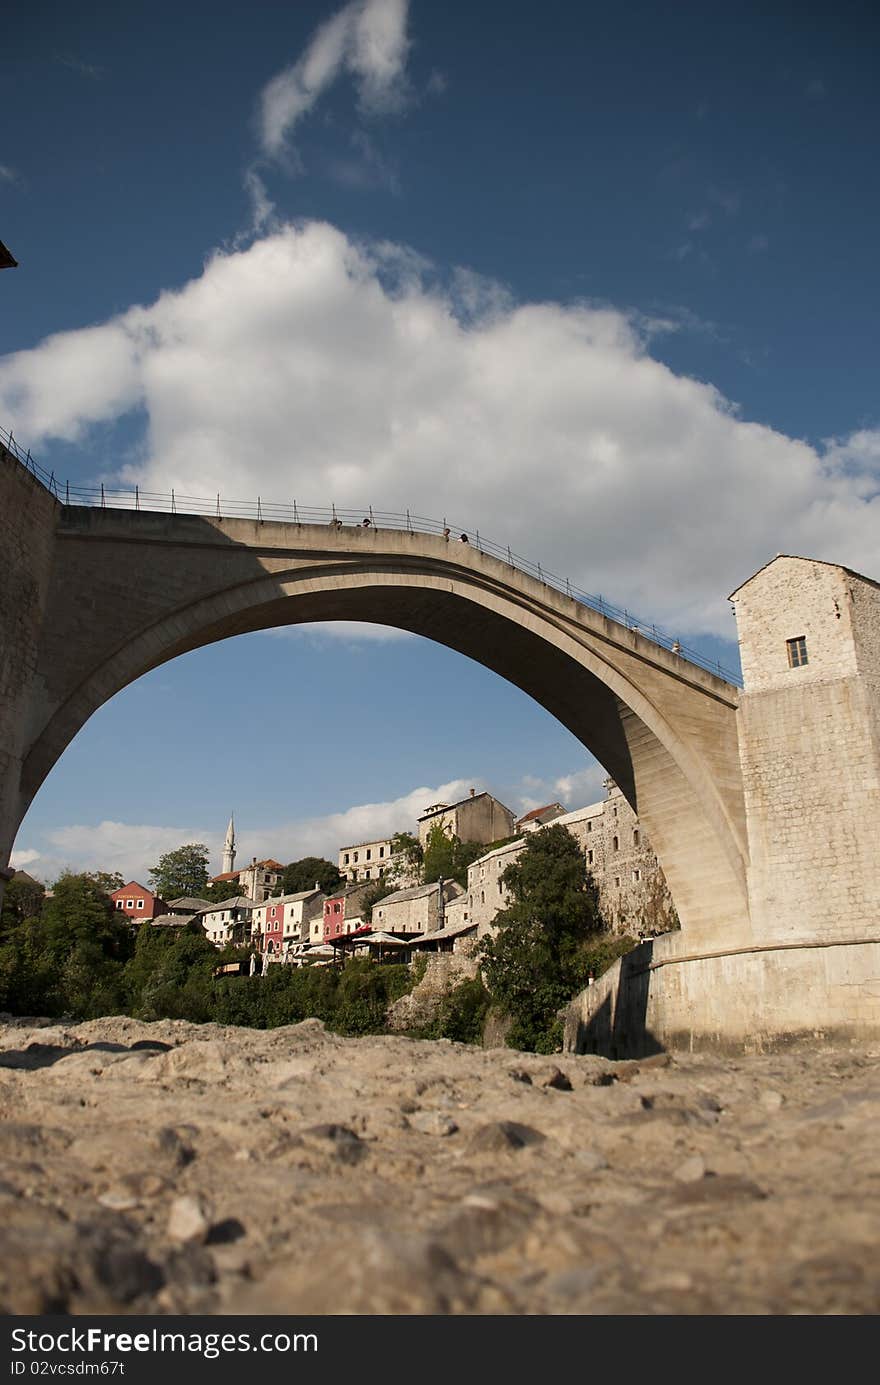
(420, 254)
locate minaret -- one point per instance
(229, 848)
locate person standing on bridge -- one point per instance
(464, 539)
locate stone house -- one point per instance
(633, 895)
(257, 881)
(477, 818)
(366, 860)
(485, 892)
(342, 913)
(416, 910)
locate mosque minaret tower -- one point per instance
(229, 847)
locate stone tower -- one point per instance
(229, 848)
(809, 736)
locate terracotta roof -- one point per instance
(133, 885)
(227, 875)
(536, 812)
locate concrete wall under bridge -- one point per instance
(662, 995)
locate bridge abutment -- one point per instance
(809, 747)
(27, 542)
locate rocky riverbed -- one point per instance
(177, 1168)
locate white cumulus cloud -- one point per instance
(314, 368)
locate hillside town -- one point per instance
(382, 908)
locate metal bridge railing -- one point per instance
(291, 512)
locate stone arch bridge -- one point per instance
(93, 598)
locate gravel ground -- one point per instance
(178, 1168)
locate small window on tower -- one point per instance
(797, 651)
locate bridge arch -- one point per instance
(129, 591)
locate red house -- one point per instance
(342, 911)
(137, 902)
(274, 931)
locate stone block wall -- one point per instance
(27, 541)
(659, 996)
(810, 750)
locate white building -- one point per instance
(365, 860)
(228, 922)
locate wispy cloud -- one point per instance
(436, 84)
(727, 198)
(366, 40)
(369, 168)
(92, 71)
(262, 206)
(8, 174)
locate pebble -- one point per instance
(691, 1170)
(771, 1100)
(503, 1136)
(189, 1219)
(118, 1200)
(433, 1123)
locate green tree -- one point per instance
(170, 975)
(80, 911)
(308, 872)
(69, 960)
(181, 872)
(219, 890)
(22, 899)
(539, 955)
(107, 880)
(406, 858)
(380, 889)
(446, 857)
